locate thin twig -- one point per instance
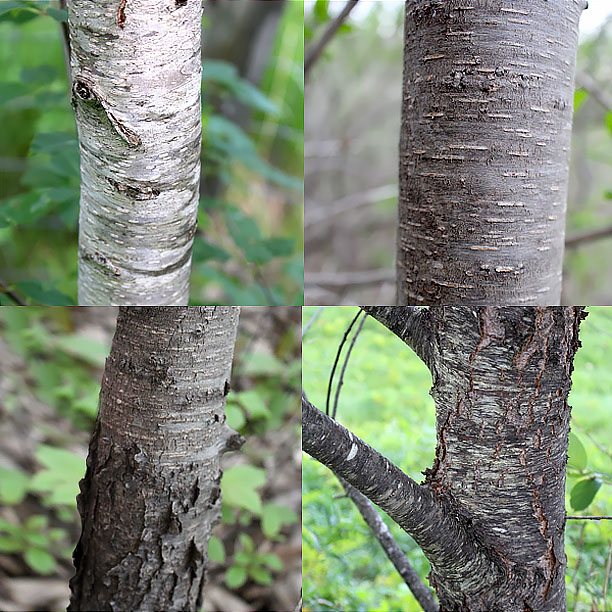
(607, 580)
(314, 53)
(590, 518)
(588, 83)
(346, 360)
(11, 294)
(349, 279)
(395, 554)
(333, 371)
(314, 317)
(588, 236)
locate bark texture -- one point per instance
(151, 496)
(136, 82)
(490, 515)
(484, 150)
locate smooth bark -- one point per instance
(136, 82)
(151, 496)
(490, 516)
(484, 150)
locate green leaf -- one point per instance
(577, 454)
(260, 575)
(583, 492)
(235, 416)
(253, 403)
(247, 542)
(203, 251)
(11, 91)
(321, 10)
(272, 561)
(238, 487)
(39, 75)
(50, 142)
(235, 577)
(13, 486)
(40, 560)
(580, 97)
(36, 522)
(279, 247)
(608, 121)
(216, 550)
(10, 544)
(273, 517)
(43, 295)
(58, 14)
(85, 348)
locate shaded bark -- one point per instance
(490, 515)
(136, 82)
(484, 150)
(151, 496)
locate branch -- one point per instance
(392, 550)
(588, 236)
(591, 518)
(446, 538)
(11, 294)
(587, 82)
(334, 279)
(313, 54)
(411, 325)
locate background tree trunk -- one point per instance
(151, 496)
(490, 516)
(136, 82)
(484, 150)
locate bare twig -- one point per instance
(346, 360)
(11, 294)
(351, 202)
(349, 279)
(314, 53)
(591, 518)
(314, 317)
(395, 554)
(607, 578)
(333, 370)
(587, 82)
(588, 236)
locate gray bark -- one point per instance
(136, 82)
(484, 150)
(151, 496)
(490, 516)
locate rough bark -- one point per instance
(490, 516)
(484, 150)
(136, 82)
(151, 496)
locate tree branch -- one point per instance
(410, 324)
(392, 550)
(314, 53)
(588, 236)
(446, 538)
(11, 294)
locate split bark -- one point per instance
(484, 150)
(151, 496)
(136, 82)
(490, 516)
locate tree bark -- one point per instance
(490, 515)
(151, 496)
(136, 82)
(484, 150)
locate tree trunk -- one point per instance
(136, 82)
(484, 150)
(151, 496)
(490, 515)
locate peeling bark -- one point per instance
(490, 515)
(484, 150)
(151, 496)
(136, 82)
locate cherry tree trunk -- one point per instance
(136, 82)
(484, 150)
(151, 496)
(490, 515)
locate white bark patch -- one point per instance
(352, 452)
(136, 86)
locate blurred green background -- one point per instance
(385, 401)
(351, 157)
(249, 245)
(51, 362)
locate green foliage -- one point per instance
(584, 491)
(239, 485)
(249, 563)
(580, 97)
(34, 539)
(13, 486)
